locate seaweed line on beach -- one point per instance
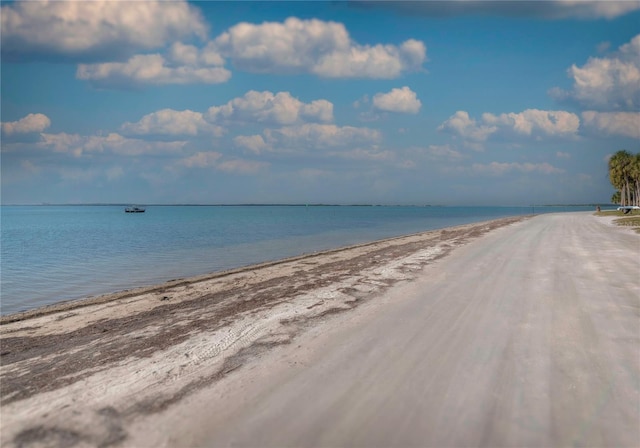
(214, 332)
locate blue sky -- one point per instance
(457, 103)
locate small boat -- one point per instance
(134, 210)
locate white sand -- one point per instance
(528, 335)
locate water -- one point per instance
(55, 253)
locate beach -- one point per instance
(518, 331)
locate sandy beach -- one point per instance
(513, 332)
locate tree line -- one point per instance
(624, 174)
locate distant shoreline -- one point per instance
(125, 204)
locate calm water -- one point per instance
(55, 253)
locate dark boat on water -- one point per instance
(134, 210)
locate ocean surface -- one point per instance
(55, 253)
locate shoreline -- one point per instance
(527, 336)
(113, 359)
(72, 304)
(452, 337)
(47, 272)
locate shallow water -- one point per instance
(55, 253)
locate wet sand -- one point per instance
(512, 332)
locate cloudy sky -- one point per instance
(458, 103)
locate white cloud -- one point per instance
(460, 123)
(212, 159)
(63, 142)
(320, 110)
(617, 123)
(201, 160)
(308, 136)
(563, 155)
(317, 47)
(548, 9)
(254, 143)
(172, 122)
(373, 154)
(402, 100)
(266, 107)
(499, 168)
(608, 83)
(254, 107)
(30, 123)
(595, 9)
(186, 65)
(97, 29)
(531, 122)
(321, 136)
(443, 152)
(79, 145)
(180, 53)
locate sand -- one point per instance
(511, 332)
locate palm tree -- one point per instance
(615, 198)
(634, 172)
(618, 168)
(624, 174)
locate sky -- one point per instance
(355, 102)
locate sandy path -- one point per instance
(528, 336)
(94, 372)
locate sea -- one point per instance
(51, 253)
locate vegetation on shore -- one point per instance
(624, 174)
(631, 219)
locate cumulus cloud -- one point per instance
(499, 168)
(184, 64)
(308, 135)
(253, 108)
(94, 30)
(531, 122)
(461, 124)
(615, 123)
(552, 9)
(30, 123)
(322, 135)
(317, 47)
(402, 100)
(607, 83)
(172, 122)
(79, 145)
(267, 107)
(547, 122)
(254, 143)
